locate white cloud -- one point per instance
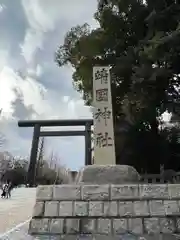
(43, 15)
(40, 22)
(33, 94)
(47, 104)
(45, 18)
(38, 19)
(65, 99)
(14, 143)
(35, 72)
(2, 8)
(7, 95)
(39, 70)
(33, 41)
(38, 25)
(65, 107)
(3, 58)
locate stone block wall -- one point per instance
(107, 211)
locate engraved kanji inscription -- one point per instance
(102, 95)
(103, 140)
(102, 75)
(104, 114)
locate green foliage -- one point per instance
(138, 46)
(140, 41)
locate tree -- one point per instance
(60, 174)
(2, 140)
(140, 41)
(49, 169)
(125, 41)
(6, 159)
(15, 171)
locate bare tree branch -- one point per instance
(2, 140)
(2, 137)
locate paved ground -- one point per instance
(16, 211)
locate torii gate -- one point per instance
(37, 124)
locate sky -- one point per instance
(32, 86)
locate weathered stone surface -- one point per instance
(88, 226)
(55, 237)
(72, 226)
(174, 191)
(120, 226)
(103, 237)
(126, 209)
(44, 193)
(135, 225)
(38, 209)
(66, 192)
(123, 192)
(108, 174)
(167, 225)
(95, 192)
(39, 226)
(123, 236)
(56, 226)
(110, 209)
(157, 208)
(178, 224)
(51, 209)
(151, 225)
(65, 209)
(141, 208)
(95, 208)
(81, 208)
(104, 226)
(158, 191)
(168, 237)
(171, 208)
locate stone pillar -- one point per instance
(104, 149)
(31, 177)
(88, 157)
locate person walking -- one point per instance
(4, 189)
(9, 189)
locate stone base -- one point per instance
(114, 237)
(107, 212)
(107, 174)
